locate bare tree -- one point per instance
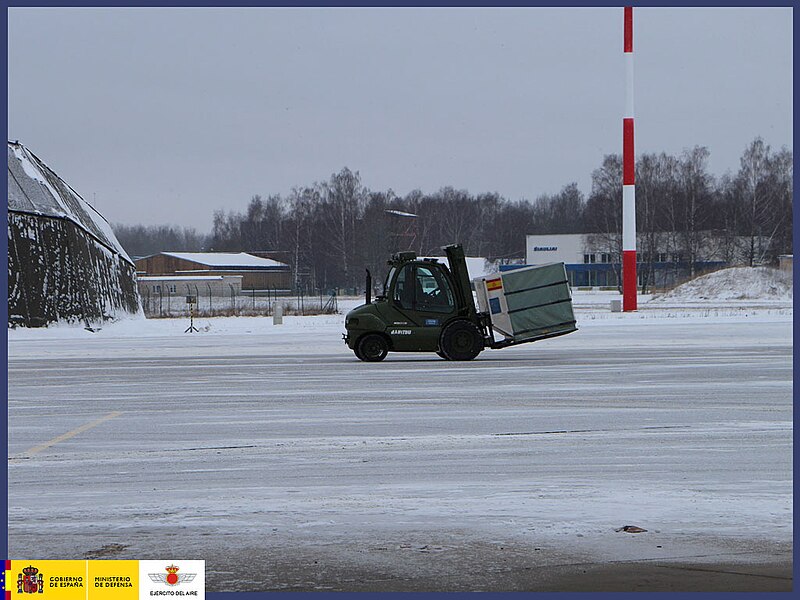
(603, 214)
(782, 168)
(655, 183)
(343, 201)
(296, 230)
(694, 186)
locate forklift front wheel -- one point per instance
(372, 348)
(461, 340)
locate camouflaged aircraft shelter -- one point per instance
(64, 262)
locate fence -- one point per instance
(171, 302)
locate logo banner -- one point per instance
(103, 579)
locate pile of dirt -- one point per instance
(736, 283)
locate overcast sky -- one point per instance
(165, 115)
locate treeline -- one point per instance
(142, 240)
(329, 232)
(685, 213)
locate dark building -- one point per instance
(257, 273)
(64, 261)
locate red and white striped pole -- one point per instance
(628, 168)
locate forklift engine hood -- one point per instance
(363, 318)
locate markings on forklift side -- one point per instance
(68, 435)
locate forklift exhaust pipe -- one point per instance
(368, 291)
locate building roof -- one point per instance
(228, 259)
(34, 188)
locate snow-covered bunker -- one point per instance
(64, 261)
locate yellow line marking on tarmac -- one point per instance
(68, 435)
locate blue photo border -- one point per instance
(367, 3)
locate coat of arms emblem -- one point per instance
(30, 581)
(171, 577)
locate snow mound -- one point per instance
(735, 283)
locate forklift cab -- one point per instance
(420, 287)
(419, 299)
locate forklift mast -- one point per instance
(458, 268)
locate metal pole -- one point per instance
(628, 183)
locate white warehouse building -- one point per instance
(592, 261)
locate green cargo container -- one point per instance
(529, 303)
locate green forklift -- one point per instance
(427, 306)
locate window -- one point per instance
(404, 288)
(605, 257)
(388, 282)
(423, 288)
(662, 257)
(589, 259)
(173, 289)
(433, 293)
(157, 289)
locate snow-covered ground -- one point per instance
(271, 445)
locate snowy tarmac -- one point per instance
(283, 461)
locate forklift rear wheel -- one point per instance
(461, 340)
(372, 348)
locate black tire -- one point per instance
(372, 348)
(461, 340)
(441, 355)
